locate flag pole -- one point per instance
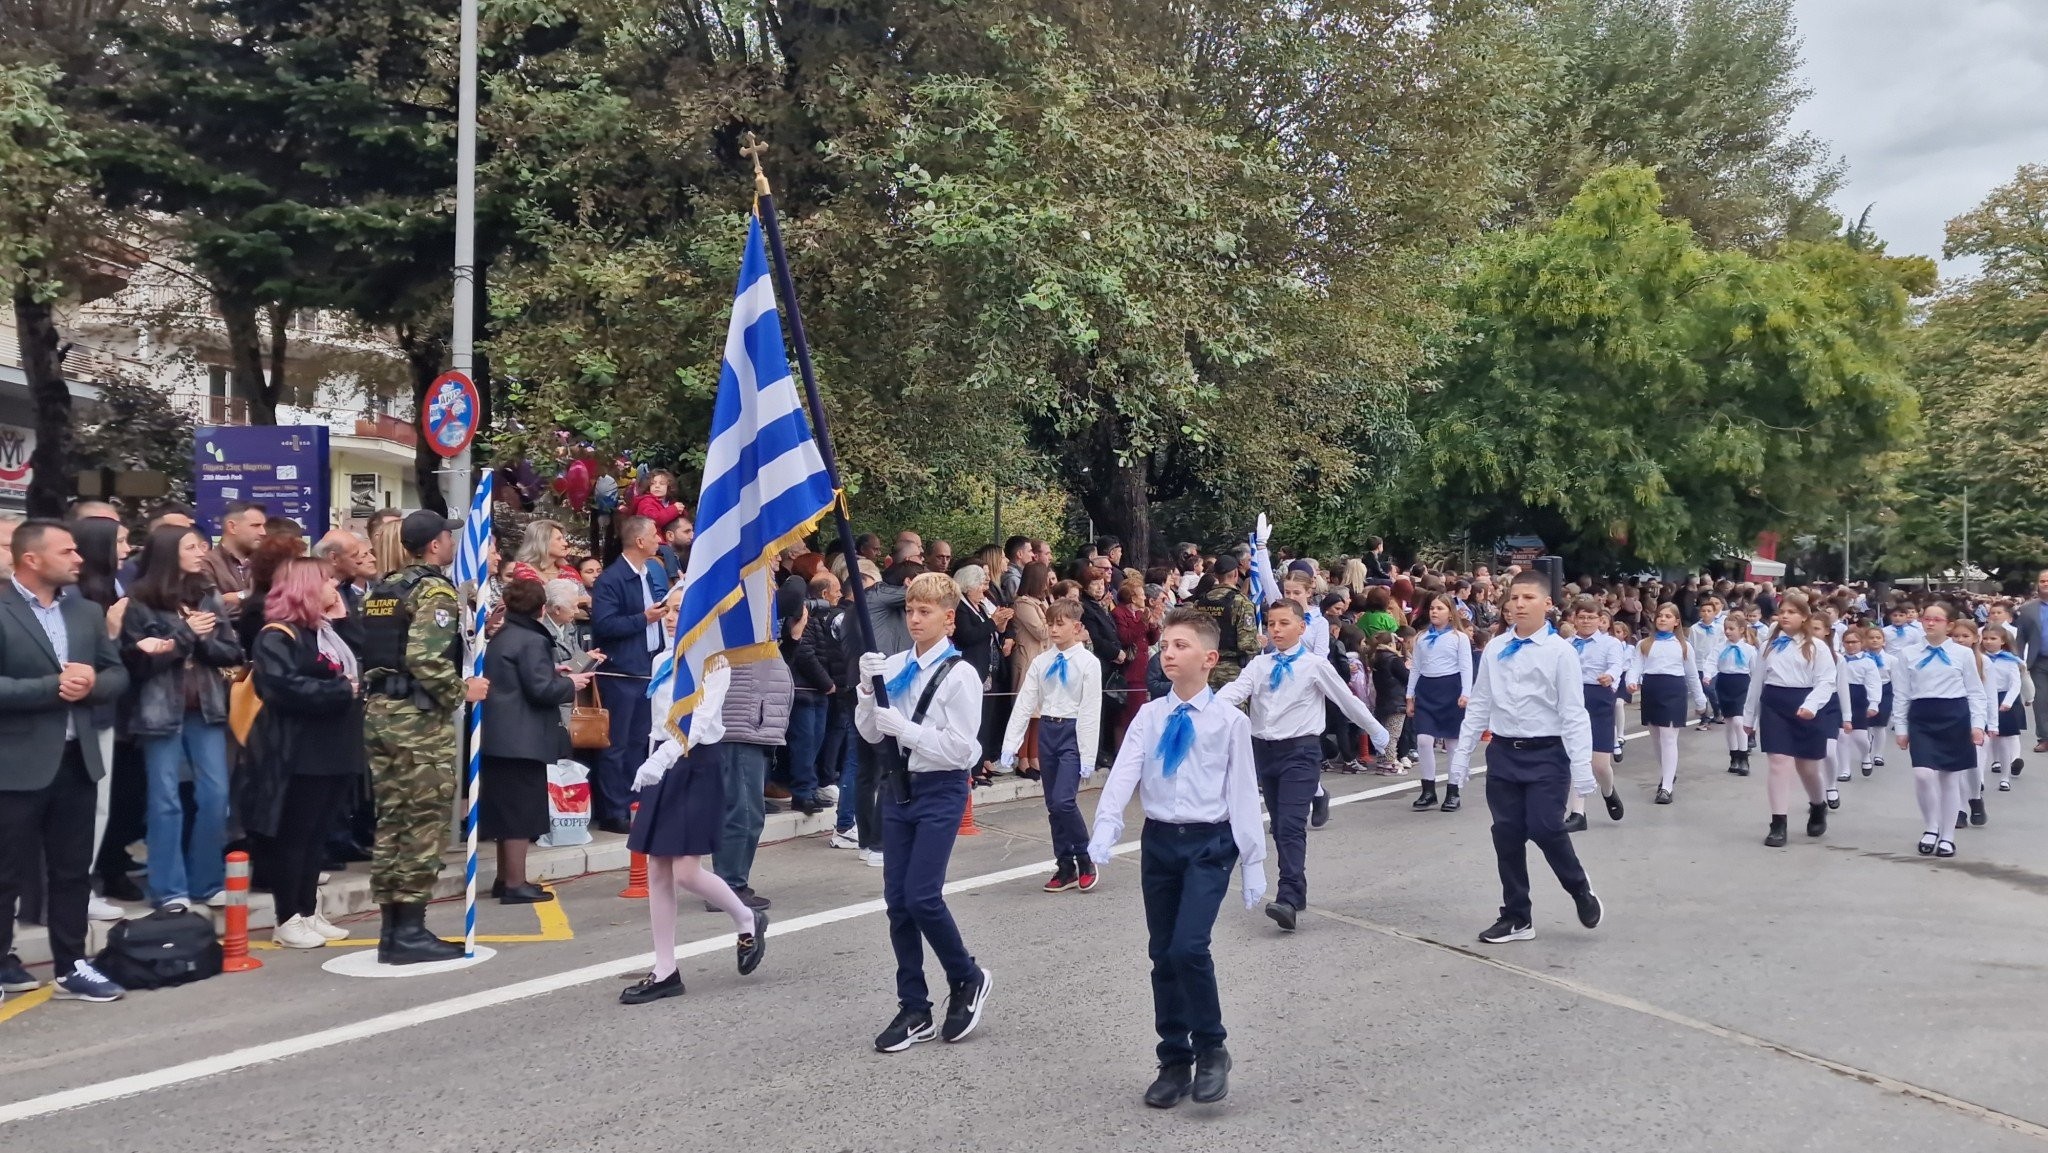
(893, 762)
(472, 575)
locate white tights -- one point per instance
(1941, 798)
(1425, 757)
(2008, 750)
(1603, 775)
(1667, 753)
(1738, 736)
(664, 876)
(1778, 785)
(1850, 750)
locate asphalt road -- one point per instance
(1838, 994)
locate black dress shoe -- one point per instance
(1613, 800)
(1283, 914)
(1428, 798)
(1663, 796)
(1977, 813)
(525, 895)
(1775, 839)
(1319, 811)
(1575, 823)
(1212, 1075)
(1816, 819)
(754, 945)
(1173, 1083)
(650, 989)
(1452, 803)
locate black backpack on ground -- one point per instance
(163, 949)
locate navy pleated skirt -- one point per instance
(1782, 731)
(1859, 708)
(1600, 711)
(1884, 705)
(1731, 693)
(1664, 698)
(1436, 707)
(683, 814)
(2013, 721)
(1938, 734)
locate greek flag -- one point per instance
(765, 488)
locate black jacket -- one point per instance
(158, 682)
(822, 634)
(311, 723)
(1102, 638)
(810, 674)
(523, 714)
(974, 634)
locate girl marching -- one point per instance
(1963, 631)
(1669, 678)
(1938, 718)
(1439, 684)
(1795, 679)
(1733, 669)
(1866, 688)
(2006, 674)
(1887, 667)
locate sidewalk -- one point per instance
(347, 894)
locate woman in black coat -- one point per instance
(523, 732)
(306, 755)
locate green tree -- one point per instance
(1981, 368)
(1628, 394)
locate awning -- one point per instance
(1761, 568)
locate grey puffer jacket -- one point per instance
(157, 682)
(757, 703)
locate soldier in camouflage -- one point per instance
(1236, 625)
(412, 678)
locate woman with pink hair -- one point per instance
(306, 748)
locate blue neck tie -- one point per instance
(1433, 634)
(1780, 643)
(1741, 662)
(1933, 654)
(901, 682)
(1515, 645)
(1662, 635)
(1178, 740)
(1057, 671)
(1580, 643)
(1283, 664)
(1899, 631)
(1879, 658)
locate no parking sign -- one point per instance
(448, 415)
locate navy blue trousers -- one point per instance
(1526, 790)
(1185, 872)
(1289, 772)
(917, 843)
(632, 719)
(1059, 766)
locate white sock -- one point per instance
(1738, 737)
(1667, 753)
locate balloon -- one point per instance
(574, 484)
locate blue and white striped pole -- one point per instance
(471, 577)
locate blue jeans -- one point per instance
(806, 741)
(180, 866)
(1184, 873)
(840, 760)
(917, 843)
(746, 810)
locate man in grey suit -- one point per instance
(2030, 620)
(56, 663)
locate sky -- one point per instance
(1931, 103)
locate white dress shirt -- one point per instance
(1861, 670)
(2005, 674)
(1669, 657)
(1316, 632)
(1922, 675)
(1216, 782)
(1078, 700)
(1295, 709)
(1899, 638)
(1534, 693)
(1707, 642)
(656, 640)
(1600, 655)
(950, 737)
(1789, 666)
(1736, 657)
(1441, 653)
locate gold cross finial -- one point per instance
(752, 147)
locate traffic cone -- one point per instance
(636, 872)
(967, 826)
(234, 947)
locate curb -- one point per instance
(347, 894)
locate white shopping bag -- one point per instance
(568, 805)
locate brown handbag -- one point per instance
(590, 725)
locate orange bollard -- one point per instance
(636, 873)
(967, 826)
(234, 947)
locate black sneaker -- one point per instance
(1977, 813)
(1575, 823)
(963, 1008)
(2018, 763)
(85, 983)
(910, 1027)
(1613, 800)
(1319, 811)
(648, 989)
(15, 978)
(1505, 930)
(1590, 908)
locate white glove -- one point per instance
(1099, 852)
(1008, 762)
(893, 723)
(1254, 888)
(657, 765)
(871, 666)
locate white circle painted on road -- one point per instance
(363, 963)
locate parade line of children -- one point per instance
(1810, 690)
